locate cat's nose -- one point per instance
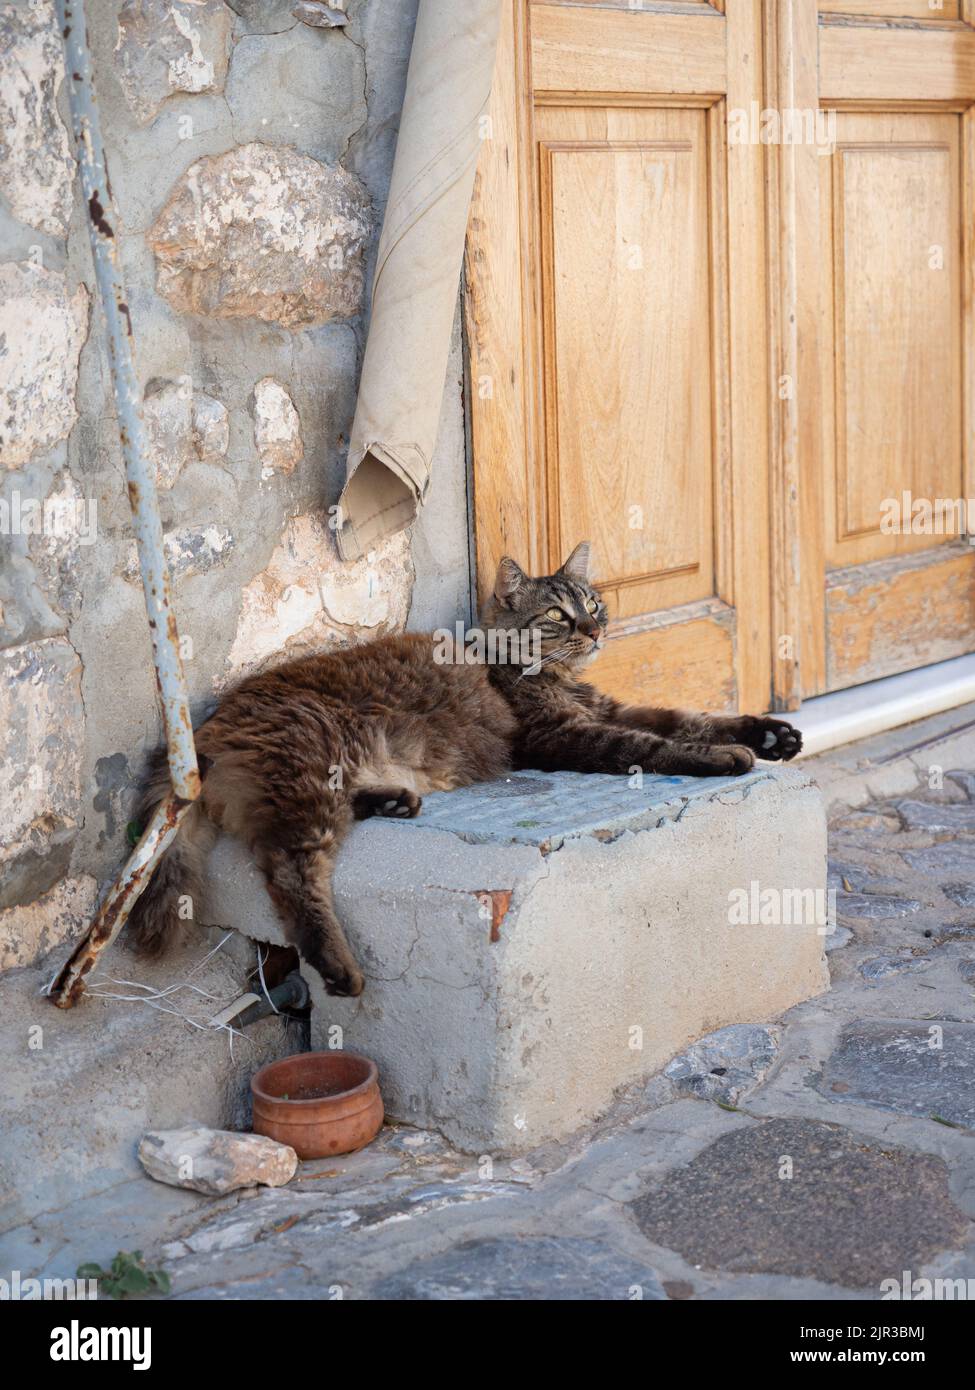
(592, 632)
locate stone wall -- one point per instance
(250, 152)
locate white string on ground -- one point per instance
(153, 997)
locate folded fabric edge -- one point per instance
(380, 497)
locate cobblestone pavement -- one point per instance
(817, 1155)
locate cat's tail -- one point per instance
(168, 904)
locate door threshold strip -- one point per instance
(828, 721)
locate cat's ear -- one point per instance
(510, 578)
(577, 565)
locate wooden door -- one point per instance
(616, 319)
(886, 586)
(724, 359)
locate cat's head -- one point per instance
(563, 611)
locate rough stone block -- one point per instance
(306, 598)
(169, 46)
(42, 717)
(266, 233)
(530, 945)
(35, 160)
(43, 324)
(215, 1161)
(29, 930)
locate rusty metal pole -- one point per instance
(140, 474)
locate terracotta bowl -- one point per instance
(321, 1103)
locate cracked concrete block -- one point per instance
(36, 166)
(306, 596)
(43, 325)
(42, 719)
(531, 945)
(266, 233)
(277, 429)
(169, 46)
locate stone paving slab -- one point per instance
(945, 862)
(916, 1068)
(803, 1198)
(874, 905)
(528, 1267)
(923, 815)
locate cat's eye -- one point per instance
(555, 614)
(592, 606)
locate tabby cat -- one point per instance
(291, 757)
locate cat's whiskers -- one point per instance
(559, 654)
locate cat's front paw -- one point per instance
(775, 740)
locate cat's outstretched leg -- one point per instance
(772, 739)
(586, 745)
(299, 880)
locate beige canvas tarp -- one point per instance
(418, 270)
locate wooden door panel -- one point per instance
(895, 376)
(892, 9)
(627, 349)
(889, 65)
(896, 615)
(689, 656)
(621, 52)
(889, 201)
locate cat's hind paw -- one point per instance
(342, 981)
(396, 802)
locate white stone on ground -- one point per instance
(215, 1161)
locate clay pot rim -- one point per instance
(371, 1079)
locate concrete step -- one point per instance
(81, 1087)
(533, 944)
